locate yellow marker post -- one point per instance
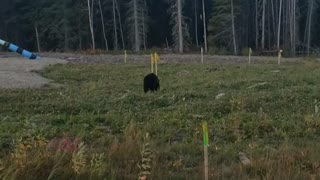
(125, 56)
(156, 59)
(205, 149)
(152, 61)
(250, 52)
(279, 56)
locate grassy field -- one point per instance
(95, 122)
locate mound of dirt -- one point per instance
(16, 72)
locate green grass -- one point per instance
(104, 105)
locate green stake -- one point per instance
(205, 149)
(205, 134)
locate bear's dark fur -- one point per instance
(151, 82)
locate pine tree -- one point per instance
(180, 32)
(220, 25)
(136, 22)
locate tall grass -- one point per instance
(98, 123)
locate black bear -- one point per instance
(151, 82)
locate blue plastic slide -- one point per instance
(19, 50)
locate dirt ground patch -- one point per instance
(17, 72)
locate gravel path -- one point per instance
(16, 72)
(167, 58)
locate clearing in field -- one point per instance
(99, 123)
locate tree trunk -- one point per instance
(90, 11)
(136, 26)
(37, 36)
(292, 21)
(144, 27)
(269, 23)
(257, 26)
(274, 22)
(294, 28)
(204, 27)
(120, 25)
(144, 33)
(263, 24)
(233, 29)
(103, 28)
(180, 26)
(279, 25)
(79, 33)
(167, 43)
(196, 21)
(115, 32)
(286, 23)
(309, 25)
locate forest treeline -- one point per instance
(219, 26)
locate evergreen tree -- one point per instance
(180, 31)
(137, 23)
(220, 25)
